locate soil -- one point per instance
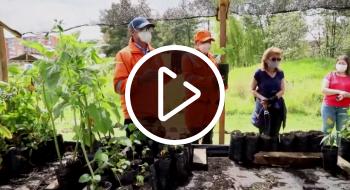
(38, 179)
(224, 174)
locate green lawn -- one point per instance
(303, 97)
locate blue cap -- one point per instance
(139, 23)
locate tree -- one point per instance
(287, 31)
(336, 32)
(174, 30)
(117, 18)
(245, 40)
(264, 7)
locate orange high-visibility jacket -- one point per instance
(201, 112)
(125, 59)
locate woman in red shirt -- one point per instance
(336, 90)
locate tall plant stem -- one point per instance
(53, 125)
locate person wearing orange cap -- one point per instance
(199, 114)
(140, 30)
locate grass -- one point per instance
(303, 97)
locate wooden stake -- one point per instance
(3, 57)
(223, 8)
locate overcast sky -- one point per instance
(39, 15)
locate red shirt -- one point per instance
(338, 83)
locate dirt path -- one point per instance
(224, 174)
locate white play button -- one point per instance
(174, 95)
(196, 91)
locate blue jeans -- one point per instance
(331, 116)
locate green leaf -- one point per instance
(86, 138)
(51, 97)
(324, 139)
(84, 178)
(97, 178)
(38, 47)
(59, 27)
(4, 132)
(125, 141)
(52, 75)
(14, 69)
(137, 141)
(101, 118)
(3, 84)
(140, 180)
(101, 157)
(59, 108)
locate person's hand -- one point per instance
(264, 102)
(340, 97)
(344, 94)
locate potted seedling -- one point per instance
(123, 169)
(22, 115)
(344, 149)
(93, 179)
(330, 151)
(143, 173)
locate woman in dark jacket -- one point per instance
(268, 87)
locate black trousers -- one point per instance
(275, 122)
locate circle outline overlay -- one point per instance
(218, 111)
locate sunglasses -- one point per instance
(275, 59)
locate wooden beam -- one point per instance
(289, 159)
(214, 150)
(344, 165)
(3, 56)
(223, 10)
(11, 30)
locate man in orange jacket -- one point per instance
(199, 114)
(140, 30)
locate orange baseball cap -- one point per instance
(203, 36)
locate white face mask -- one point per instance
(145, 36)
(273, 64)
(341, 68)
(204, 48)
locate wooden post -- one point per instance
(3, 57)
(223, 9)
